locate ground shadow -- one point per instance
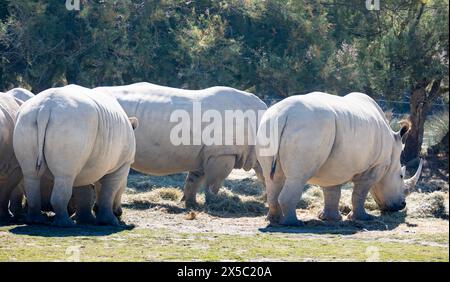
(384, 222)
(81, 230)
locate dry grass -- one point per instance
(245, 197)
(423, 205)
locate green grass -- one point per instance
(41, 243)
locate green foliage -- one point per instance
(276, 47)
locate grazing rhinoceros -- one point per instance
(157, 155)
(328, 140)
(80, 137)
(10, 173)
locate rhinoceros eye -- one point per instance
(401, 176)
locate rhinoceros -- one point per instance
(328, 140)
(17, 195)
(10, 173)
(157, 155)
(80, 137)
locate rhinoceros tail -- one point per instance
(275, 157)
(43, 117)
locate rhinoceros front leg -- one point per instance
(191, 187)
(216, 170)
(110, 185)
(359, 196)
(84, 201)
(331, 196)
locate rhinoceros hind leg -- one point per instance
(191, 187)
(331, 196)
(117, 205)
(32, 185)
(61, 195)
(289, 197)
(273, 189)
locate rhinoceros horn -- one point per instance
(411, 182)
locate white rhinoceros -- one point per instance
(10, 173)
(157, 155)
(80, 137)
(17, 195)
(328, 140)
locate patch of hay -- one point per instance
(424, 205)
(225, 202)
(246, 186)
(141, 182)
(312, 199)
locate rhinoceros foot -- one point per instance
(363, 216)
(292, 223)
(85, 219)
(107, 219)
(63, 222)
(330, 215)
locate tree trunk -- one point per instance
(420, 104)
(417, 117)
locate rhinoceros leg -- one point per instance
(84, 201)
(32, 185)
(191, 186)
(61, 195)
(288, 199)
(6, 187)
(110, 186)
(331, 196)
(216, 170)
(16, 200)
(273, 189)
(117, 206)
(361, 188)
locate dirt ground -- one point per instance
(232, 227)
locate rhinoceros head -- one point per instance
(390, 192)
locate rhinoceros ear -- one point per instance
(134, 122)
(406, 126)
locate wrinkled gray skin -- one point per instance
(10, 172)
(80, 137)
(156, 155)
(328, 140)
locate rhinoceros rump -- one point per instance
(155, 153)
(10, 173)
(80, 137)
(328, 140)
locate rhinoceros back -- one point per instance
(153, 105)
